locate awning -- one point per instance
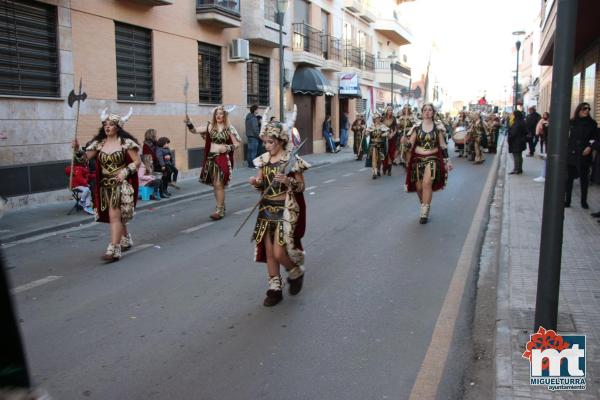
(310, 81)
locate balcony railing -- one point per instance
(385, 65)
(332, 47)
(358, 58)
(225, 6)
(306, 38)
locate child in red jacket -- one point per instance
(80, 182)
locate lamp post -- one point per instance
(282, 6)
(518, 46)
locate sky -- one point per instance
(473, 42)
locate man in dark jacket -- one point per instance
(531, 122)
(252, 133)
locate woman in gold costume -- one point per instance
(115, 194)
(389, 120)
(377, 134)
(221, 139)
(281, 220)
(428, 163)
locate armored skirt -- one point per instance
(108, 192)
(283, 219)
(417, 166)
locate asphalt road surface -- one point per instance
(181, 315)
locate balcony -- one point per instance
(357, 58)
(393, 30)
(368, 12)
(220, 13)
(353, 5)
(401, 77)
(259, 23)
(307, 45)
(332, 49)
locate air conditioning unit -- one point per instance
(239, 51)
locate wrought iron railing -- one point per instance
(352, 56)
(227, 6)
(332, 47)
(368, 62)
(385, 65)
(306, 38)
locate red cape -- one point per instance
(221, 159)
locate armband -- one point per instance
(296, 186)
(408, 145)
(190, 126)
(445, 153)
(131, 168)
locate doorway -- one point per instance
(304, 121)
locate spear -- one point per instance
(81, 96)
(286, 170)
(186, 85)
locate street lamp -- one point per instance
(518, 46)
(392, 59)
(282, 6)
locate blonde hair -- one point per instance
(148, 164)
(225, 116)
(150, 134)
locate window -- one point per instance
(589, 83)
(258, 81)
(575, 92)
(28, 49)
(209, 73)
(134, 63)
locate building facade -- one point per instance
(586, 70)
(165, 58)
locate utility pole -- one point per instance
(548, 284)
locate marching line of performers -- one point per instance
(281, 219)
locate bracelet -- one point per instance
(445, 153)
(190, 126)
(131, 168)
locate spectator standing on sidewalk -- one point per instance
(531, 122)
(517, 141)
(344, 126)
(583, 133)
(80, 181)
(163, 154)
(252, 133)
(541, 130)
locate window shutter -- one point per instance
(134, 62)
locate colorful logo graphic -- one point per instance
(556, 361)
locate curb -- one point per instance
(85, 220)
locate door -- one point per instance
(304, 121)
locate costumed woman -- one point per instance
(405, 123)
(115, 194)
(378, 134)
(428, 163)
(477, 135)
(389, 120)
(221, 140)
(358, 128)
(281, 217)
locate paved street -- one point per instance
(180, 316)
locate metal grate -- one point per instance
(134, 62)
(258, 81)
(209, 73)
(28, 49)
(306, 38)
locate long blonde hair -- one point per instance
(225, 116)
(147, 160)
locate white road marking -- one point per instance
(244, 211)
(197, 227)
(47, 235)
(329, 181)
(33, 284)
(363, 169)
(310, 188)
(135, 249)
(351, 173)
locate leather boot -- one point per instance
(295, 279)
(424, 213)
(219, 212)
(275, 292)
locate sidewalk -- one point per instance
(579, 302)
(35, 220)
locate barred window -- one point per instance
(209, 73)
(29, 64)
(134, 62)
(258, 80)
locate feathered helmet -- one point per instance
(225, 110)
(283, 131)
(376, 114)
(106, 116)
